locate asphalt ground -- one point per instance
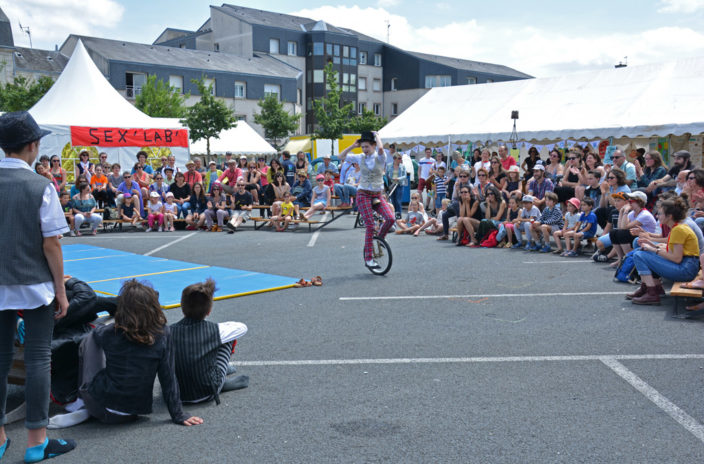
(491, 355)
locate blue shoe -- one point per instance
(4, 447)
(535, 247)
(48, 449)
(571, 254)
(527, 247)
(545, 249)
(517, 245)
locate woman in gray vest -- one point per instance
(370, 194)
(34, 282)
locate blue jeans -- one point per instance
(520, 229)
(39, 326)
(344, 192)
(396, 199)
(183, 209)
(648, 263)
(438, 200)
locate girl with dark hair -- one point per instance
(198, 205)
(553, 170)
(120, 361)
(468, 206)
(653, 169)
(677, 259)
(529, 163)
(570, 180)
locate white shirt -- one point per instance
(53, 223)
(425, 165)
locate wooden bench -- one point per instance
(679, 293)
(263, 222)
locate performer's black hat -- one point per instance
(19, 128)
(367, 137)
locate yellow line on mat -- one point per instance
(150, 274)
(104, 293)
(237, 295)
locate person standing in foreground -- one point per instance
(31, 277)
(371, 188)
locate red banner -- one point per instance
(120, 137)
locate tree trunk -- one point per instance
(207, 146)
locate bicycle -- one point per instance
(381, 253)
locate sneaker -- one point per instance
(545, 249)
(48, 449)
(149, 229)
(517, 245)
(571, 254)
(601, 258)
(161, 229)
(527, 247)
(231, 229)
(559, 251)
(371, 264)
(535, 247)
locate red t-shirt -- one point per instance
(508, 162)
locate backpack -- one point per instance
(484, 229)
(626, 271)
(490, 240)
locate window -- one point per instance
(274, 46)
(309, 103)
(328, 49)
(318, 48)
(394, 109)
(346, 61)
(362, 57)
(394, 83)
(345, 78)
(471, 80)
(362, 83)
(353, 79)
(353, 52)
(489, 81)
(377, 109)
(437, 81)
(336, 50)
(176, 82)
(376, 85)
(346, 51)
(272, 89)
(241, 117)
(318, 76)
(210, 83)
(134, 83)
(345, 88)
(240, 89)
(336, 60)
(299, 96)
(377, 59)
(361, 107)
(292, 48)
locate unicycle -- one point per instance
(381, 253)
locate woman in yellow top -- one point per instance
(677, 260)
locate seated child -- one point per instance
(550, 222)
(128, 211)
(586, 228)
(506, 228)
(203, 348)
(170, 212)
(65, 199)
(286, 213)
(529, 213)
(570, 224)
(433, 226)
(413, 222)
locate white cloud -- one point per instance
(680, 6)
(540, 52)
(388, 3)
(51, 21)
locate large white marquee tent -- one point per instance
(657, 100)
(83, 108)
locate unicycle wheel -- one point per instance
(381, 253)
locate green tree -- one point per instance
(161, 101)
(275, 120)
(22, 93)
(367, 121)
(207, 118)
(332, 119)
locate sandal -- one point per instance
(300, 283)
(444, 237)
(317, 281)
(694, 285)
(696, 307)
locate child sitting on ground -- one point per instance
(570, 224)
(433, 226)
(203, 348)
(550, 222)
(128, 211)
(414, 220)
(586, 229)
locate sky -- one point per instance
(542, 38)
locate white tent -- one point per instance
(240, 140)
(640, 101)
(82, 108)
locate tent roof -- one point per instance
(640, 101)
(81, 96)
(240, 140)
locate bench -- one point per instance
(678, 293)
(263, 222)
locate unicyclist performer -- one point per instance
(370, 194)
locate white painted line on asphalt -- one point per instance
(470, 360)
(149, 253)
(500, 295)
(672, 410)
(569, 261)
(314, 238)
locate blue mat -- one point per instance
(106, 269)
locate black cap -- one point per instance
(682, 154)
(367, 137)
(18, 128)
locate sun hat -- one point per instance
(127, 195)
(367, 136)
(514, 168)
(539, 166)
(574, 202)
(169, 194)
(189, 162)
(154, 195)
(638, 196)
(212, 163)
(320, 177)
(18, 128)
(528, 199)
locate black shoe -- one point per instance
(230, 228)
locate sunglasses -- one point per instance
(554, 156)
(125, 177)
(572, 158)
(691, 178)
(482, 175)
(159, 178)
(463, 177)
(55, 161)
(610, 177)
(320, 180)
(617, 157)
